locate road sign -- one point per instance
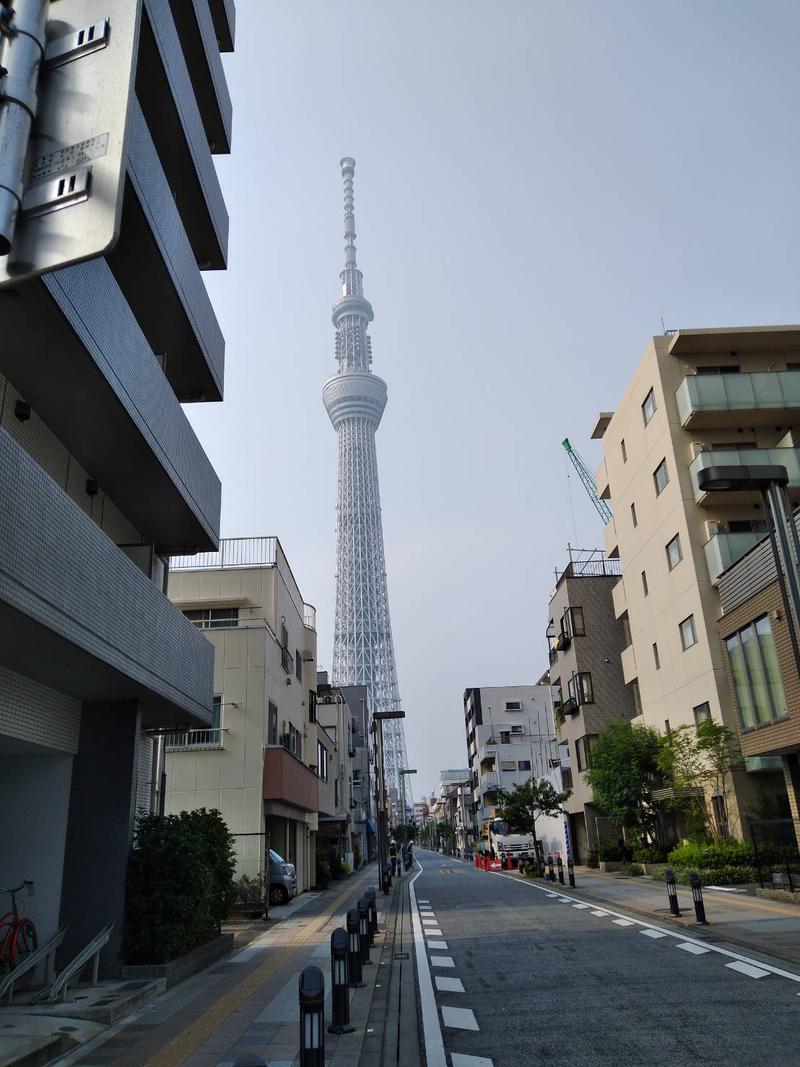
(75, 167)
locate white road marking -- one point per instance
(441, 945)
(746, 968)
(431, 931)
(462, 1060)
(448, 985)
(442, 961)
(550, 894)
(431, 1027)
(580, 906)
(652, 933)
(564, 900)
(604, 913)
(460, 1018)
(421, 901)
(623, 922)
(430, 922)
(768, 967)
(693, 947)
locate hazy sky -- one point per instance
(537, 184)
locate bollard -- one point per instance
(373, 915)
(354, 949)
(697, 897)
(363, 931)
(312, 1018)
(340, 994)
(560, 865)
(551, 874)
(571, 872)
(672, 892)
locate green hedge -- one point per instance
(730, 854)
(179, 885)
(711, 875)
(609, 850)
(649, 855)
(633, 870)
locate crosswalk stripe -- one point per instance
(696, 950)
(652, 933)
(748, 969)
(460, 1018)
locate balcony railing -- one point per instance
(734, 457)
(310, 616)
(725, 548)
(184, 740)
(702, 396)
(233, 552)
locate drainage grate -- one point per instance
(401, 956)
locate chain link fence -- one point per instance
(251, 878)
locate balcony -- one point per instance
(288, 781)
(734, 457)
(761, 398)
(490, 783)
(197, 31)
(725, 548)
(628, 661)
(194, 740)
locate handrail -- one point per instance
(58, 989)
(46, 952)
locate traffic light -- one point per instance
(65, 101)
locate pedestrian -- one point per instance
(409, 856)
(404, 856)
(393, 856)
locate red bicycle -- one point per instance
(17, 935)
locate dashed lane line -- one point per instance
(652, 933)
(746, 968)
(442, 961)
(758, 964)
(449, 985)
(623, 922)
(460, 1018)
(694, 949)
(440, 945)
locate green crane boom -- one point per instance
(589, 484)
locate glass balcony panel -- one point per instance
(758, 391)
(749, 457)
(725, 548)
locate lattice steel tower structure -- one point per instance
(363, 651)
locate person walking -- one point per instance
(393, 856)
(404, 857)
(409, 856)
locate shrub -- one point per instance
(339, 868)
(711, 875)
(610, 850)
(323, 872)
(179, 884)
(730, 854)
(633, 870)
(593, 859)
(643, 854)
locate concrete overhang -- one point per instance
(601, 424)
(728, 339)
(197, 30)
(223, 14)
(212, 602)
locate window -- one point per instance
(214, 618)
(272, 724)
(284, 635)
(505, 737)
(717, 370)
(674, 552)
(634, 520)
(524, 764)
(649, 407)
(637, 696)
(298, 666)
(644, 583)
(357, 777)
(294, 741)
(747, 526)
(583, 690)
(660, 477)
(517, 729)
(757, 683)
(322, 761)
(688, 633)
(572, 622)
(216, 713)
(655, 656)
(626, 628)
(667, 727)
(702, 713)
(312, 706)
(513, 705)
(583, 752)
(624, 450)
(336, 792)
(508, 765)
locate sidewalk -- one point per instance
(248, 1002)
(737, 917)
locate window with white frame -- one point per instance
(688, 632)
(649, 407)
(674, 552)
(213, 618)
(661, 477)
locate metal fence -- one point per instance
(251, 878)
(776, 855)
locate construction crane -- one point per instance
(589, 484)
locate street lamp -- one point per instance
(771, 481)
(378, 718)
(403, 772)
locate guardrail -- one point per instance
(29, 963)
(195, 739)
(90, 954)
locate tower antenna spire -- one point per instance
(348, 166)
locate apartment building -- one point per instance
(763, 676)
(362, 780)
(511, 737)
(262, 762)
(585, 641)
(699, 399)
(102, 477)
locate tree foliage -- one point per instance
(527, 802)
(699, 761)
(624, 772)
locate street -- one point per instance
(548, 978)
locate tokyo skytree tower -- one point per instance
(363, 651)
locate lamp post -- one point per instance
(403, 772)
(381, 799)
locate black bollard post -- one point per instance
(363, 931)
(571, 872)
(697, 897)
(672, 892)
(312, 1018)
(354, 949)
(373, 915)
(560, 865)
(551, 874)
(340, 994)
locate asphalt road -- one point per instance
(546, 982)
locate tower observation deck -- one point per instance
(363, 650)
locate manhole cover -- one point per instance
(401, 956)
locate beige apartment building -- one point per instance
(263, 763)
(698, 399)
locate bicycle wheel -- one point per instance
(25, 942)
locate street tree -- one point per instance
(624, 771)
(699, 762)
(527, 802)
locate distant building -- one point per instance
(585, 641)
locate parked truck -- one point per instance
(497, 840)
